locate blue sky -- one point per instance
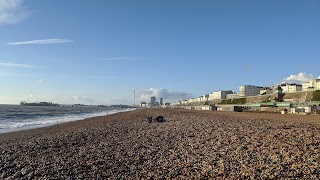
(98, 52)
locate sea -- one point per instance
(17, 117)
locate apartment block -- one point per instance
(291, 87)
(232, 96)
(266, 90)
(217, 95)
(313, 84)
(204, 98)
(249, 90)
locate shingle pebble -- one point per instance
(188, 145)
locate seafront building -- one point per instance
(205, 98)
(143, 104)
(193, 100)
(232, 96)
(153, 101)
(266, 90)
(218, 95)
(249, 90)
(291, 87)
(313, 84)
(284, 96)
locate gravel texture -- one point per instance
(188, 145)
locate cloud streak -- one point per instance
(82, 98)
(13, 65)
(2, 74)
(11, 11)
(122, 58)
(41, 41)
(109, 77)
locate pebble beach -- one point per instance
(188, 145)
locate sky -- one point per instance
(101, 51)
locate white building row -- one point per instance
(216, 95)
(251, 90)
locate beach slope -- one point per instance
(188, 145)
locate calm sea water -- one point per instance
(16, 117)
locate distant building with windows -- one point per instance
(143, 104)
(161, 101)
(204, 98)
(153, 100)
(313, 84)
(192, 100)
(249, 90)
(290, 87)
(232, 96)
(266, 90)
(218, 95)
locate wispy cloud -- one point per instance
(41, 41)
(13, 65)
(63, 75)
(122, 58)
(81, 98)
(119, 100)
(12, 11)
(3, 74)
(109, 77)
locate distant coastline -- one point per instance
(23, 103)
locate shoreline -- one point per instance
(54, 128)
(9, 130)
(190, 144)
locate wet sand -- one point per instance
(189, 145)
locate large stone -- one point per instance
(160, 119)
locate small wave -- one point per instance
(10, 126)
